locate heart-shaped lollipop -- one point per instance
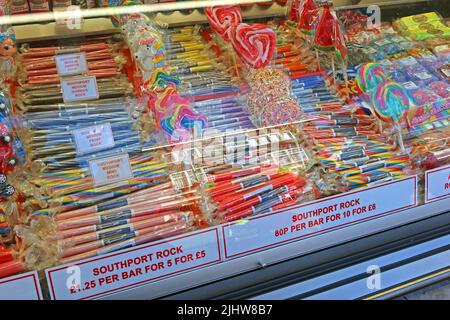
(253, 43)
(224, 18)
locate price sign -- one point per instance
(111, 169)
(79, 89)
(98, 276)
(24, 286)
(437, 183)
(271, 229)
(71, 64)
(94, 138)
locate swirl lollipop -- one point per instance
(391, 104)
(174, 115)
(369, 76)
(161, 80)
(184, 124)
(222, 18)
(253, 43)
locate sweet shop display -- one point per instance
(156, 132)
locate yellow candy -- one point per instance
(428, 17)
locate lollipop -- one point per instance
(307, 14)
(188, 122)
(254, 44)
(293, 10)
(369, 76)
(266, 85)
(256, 100)
(280, 111)
(118, 20)
(323, 36)
(173, 113)
(269, 78)
(338, 40)
(222, 18)
(391, 102)
(160, 80)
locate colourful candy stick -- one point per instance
(222, 196)
(150, 193)
(267, 206)
(68, 233)
(236, 199)
(96, 235)
(261, 198)
(11, 268)
(142, 209)
(141, 237)
(237, 173)
(240, 183)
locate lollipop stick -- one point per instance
(344, 70)
(233, 56)
(317, 58)
(400, 138)
(334, 69)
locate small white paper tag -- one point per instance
(386, 63)
(446, 72)
(79, 89)
(409, 61)
(410, 85)
(423, 75)
(111, 169)
(382, 42)
(94, 138)
(71, 64)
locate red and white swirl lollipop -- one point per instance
(224, 18)
(253, 43)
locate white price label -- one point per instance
(93, 138)
(71, 64)
(382, 42)
(423, 75)
(410, 85)
(446, 72)
(79, 89)
(98, 276)
(111, 169)
(24, 286)
(409, 61)
(264, 231)
(437, 183)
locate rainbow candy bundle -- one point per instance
(347, 144)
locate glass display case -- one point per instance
(224, 149)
